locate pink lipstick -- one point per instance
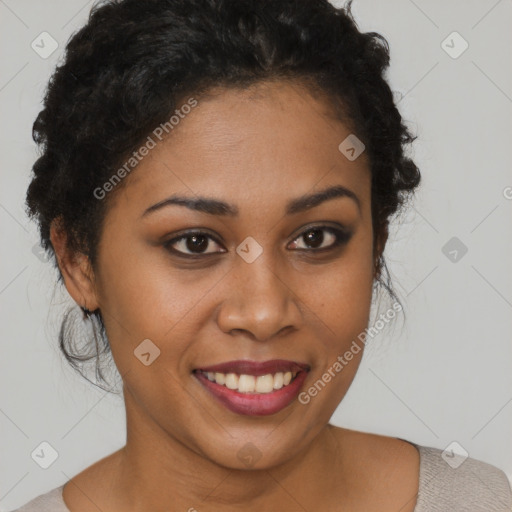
(254, 388)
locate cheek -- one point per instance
(344, 293)
(342, 302)
(143, 298)
(346, 315)
(343, 305)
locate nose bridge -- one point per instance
(259, 302)
(257, 268)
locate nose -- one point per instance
(260, 302)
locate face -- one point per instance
(267, 277)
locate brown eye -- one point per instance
(192, 244)
(196, 244)
(314, 239)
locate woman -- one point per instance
(216, 185)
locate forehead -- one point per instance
(260, 145)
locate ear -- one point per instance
(380, 244)
(75, 268)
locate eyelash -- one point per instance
(341, 238)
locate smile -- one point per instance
(249, 383)
(254, 388)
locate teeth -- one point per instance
(264, 383)
(278, 380)
(246, 383)
(232, 381)
(251, 384)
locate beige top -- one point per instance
(474, 486)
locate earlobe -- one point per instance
(75, 268)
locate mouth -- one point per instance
(254, 388)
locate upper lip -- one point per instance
(256, 368)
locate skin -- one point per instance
(254, 149)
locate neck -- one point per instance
(157, 471)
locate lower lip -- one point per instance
(254, 404)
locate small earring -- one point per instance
(86, 311)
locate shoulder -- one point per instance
(384, 470)
(452, 482)
(50, 501)
(437, 481)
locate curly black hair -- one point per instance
(131, 65)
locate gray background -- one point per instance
(443, 376)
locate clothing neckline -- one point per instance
(60, 489)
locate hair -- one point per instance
(126, 71)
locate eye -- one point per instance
(195, 242)
(315, 240)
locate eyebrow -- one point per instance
(218, 207)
